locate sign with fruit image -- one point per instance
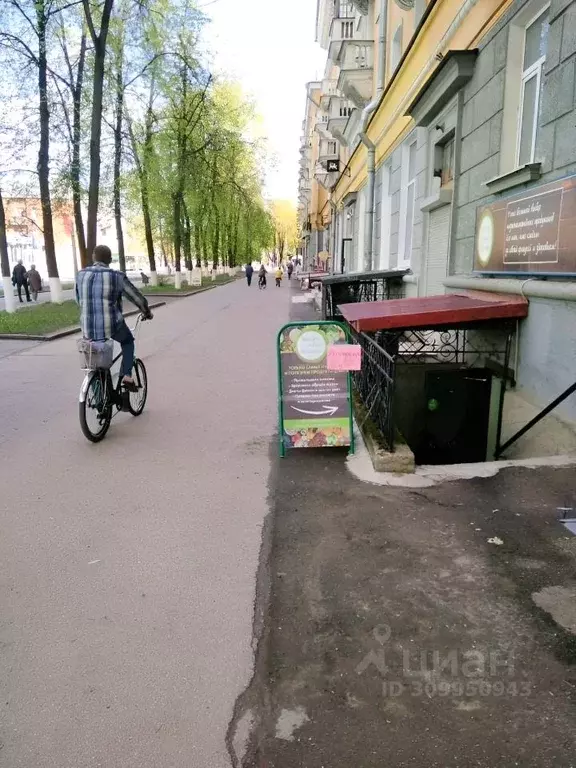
(314, 402)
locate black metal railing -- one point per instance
(366, 286)
(374, 385)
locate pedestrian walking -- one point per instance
(290, 270)
(249, 273)
(144, 277)
(35, 282)
(20, 280)
(262, 277)
(279, 274)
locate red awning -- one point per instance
(451, 310)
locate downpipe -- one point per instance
(370, 146)
(370, 190)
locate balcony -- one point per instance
(356, 62)
(321, 126)
(351, 129)
(329, 89)
(329, 152)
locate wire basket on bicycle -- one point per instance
(95, 354)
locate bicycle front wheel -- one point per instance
(95, 407)
(137, 400)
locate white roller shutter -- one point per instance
(437, 252)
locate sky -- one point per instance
(268, 46)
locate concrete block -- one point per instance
(565, 141)
(395, 180)
(393, 249)
(467, 117)
(463, 257)
(464, 188)
(479, 175)
(422, 158)
(394, 223)
(500, 50)
(554, 44)
(568, 33)
(475, 147)
(484, 69)
(557, 7)
(496, 133)
(558, 92)
(545, 147)
(420, 183)
(395, 202)
(489, 100)
(466, 221)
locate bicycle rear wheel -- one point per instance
(137, 400)
(95, 408)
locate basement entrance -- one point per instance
(434, 371)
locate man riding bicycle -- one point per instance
(99, 291)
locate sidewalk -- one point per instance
(397, 635)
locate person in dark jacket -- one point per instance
(290, 269)
(20, 280)
(249, 273)
(262, 277)
(35, 282)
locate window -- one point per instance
(397, 47)
(331, 148)
(345, 111)
(344, 9)
(407, 203)
(444, 160)
(535, 41)
(447, 176)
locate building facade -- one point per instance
(455, 159)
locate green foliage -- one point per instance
(41, 319)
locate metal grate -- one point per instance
(359, 289)
(374, 384)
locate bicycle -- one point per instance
(99, 396)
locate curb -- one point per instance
(62, 334)
(174, 295)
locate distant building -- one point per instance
(26, 239)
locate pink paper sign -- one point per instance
(344, 357)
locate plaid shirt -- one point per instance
(99, 292)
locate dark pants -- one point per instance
(125, 338)
(19, 287)
(249, 280)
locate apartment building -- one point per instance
(458, 160)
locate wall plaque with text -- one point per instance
(530, 233)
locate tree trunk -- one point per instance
(142, 168)
(177, 224)
(44, 155)
(197, 245)
(99, 41)
(4, 258)
(76, 142)
(118, 162)
(187, 239)
(9, 299)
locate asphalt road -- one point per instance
(127, 569)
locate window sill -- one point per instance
(522, 175)
(439, 199)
